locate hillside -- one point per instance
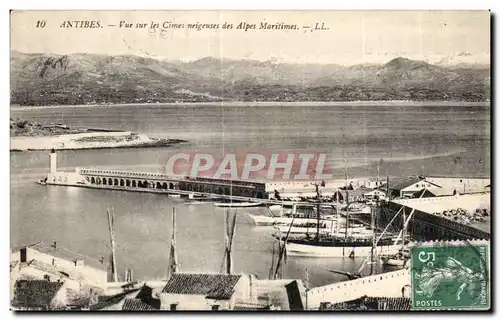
(43, 79)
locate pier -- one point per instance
(155, 182)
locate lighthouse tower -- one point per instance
(53, 161)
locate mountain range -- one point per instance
(49, 79)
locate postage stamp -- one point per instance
(450, 275)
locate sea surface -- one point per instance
(403, 140)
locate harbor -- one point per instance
(143, 226)
(326, 228)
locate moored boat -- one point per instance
(402, 257)
(237, 204)
(192, 199)
(336, 247)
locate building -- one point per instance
(373, 183)
(461, 184)
(51, 262)
(39, 295)
(374, 194)
(393, 284)
(142, 298)
(197, 291)
(434, 192)
(407, 186)
(428, 222)
(366, 303)
(350, 195)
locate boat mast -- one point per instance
(347, 208)
(378, 176)
(317, 213)
(173, 265)
(374, 237)
(388, 195)
(111, 221)
(404, 228)
(282, 252)
(229, 237)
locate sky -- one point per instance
(350, 37)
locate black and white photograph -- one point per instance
(212, 160)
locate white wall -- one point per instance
(199, 302)
(471, 185)
(85, 274)
(417, 186)
(190, 302)
(389, 284)
(469, 202)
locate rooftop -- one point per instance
(35, 293)
(213, 286)
(401, 183)
(467, 202)
(109, 301)
(433, 192)
(137, 305)
(369, 303)
(62, 253)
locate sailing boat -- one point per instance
(335, 245)
(401, 258)
(283, 218)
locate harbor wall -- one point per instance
(390, 284)
(425, 225)
(462, 185)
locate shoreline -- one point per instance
(28, 135)
(166, 143)
(375, 103)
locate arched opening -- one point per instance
(92, 180)
(259, 195)
(134, 184)
(98, 180)
(165, 185)
(220, 190)
(104, 181)
(171, 185)
(122, 182)
(144, 184)
(116, 182)
(189, 187)
(158, 185)
(127, 183)
(208, 189)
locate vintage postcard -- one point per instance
(250, 160)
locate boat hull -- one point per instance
(303, 250)
(237, 205)
(270, 221)
(323, 230)
(395, 262)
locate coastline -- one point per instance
(375, 103)
(35, 136)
